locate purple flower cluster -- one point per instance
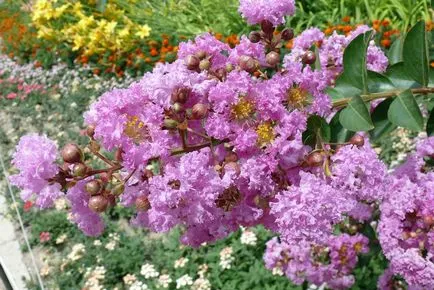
(274, 11)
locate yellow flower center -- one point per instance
(265, 133)
(136, 130)
(243, 109)
(296, 97)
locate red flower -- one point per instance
(27, 205)
(44, 237)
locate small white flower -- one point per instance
(248, 238)
(164, 281)
(148, 271)
(201, 284)
(129, 279)
(77, 252)
(277, 271)
(138, 285)
(183, 281)
(97, 243)
(226, 258)
(181, 262)
(110, 245)
(61, 239)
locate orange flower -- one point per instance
(346, 19)
(165, 41)
(148, 60)
(153, 52)
(219, 36)
(329, 30)
(385, 23)
(432, 64)
(289, 44)
(96, 71)
(347, 28)
(386, 43)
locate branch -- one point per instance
(383, 95)
(192, 148)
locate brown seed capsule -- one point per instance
(309, 57)
(231, 157)
(142, 203)
(315, 159)
(192, 62)
(267, 27)
(98, 203)
(111, 199)
(93, 187)
(204, 64)
(232, 166)
(199, 111)
(248, 63)
(220, 73)
(201, 54)
(272, 58)
(287, 34)
(71, 153)
(180, 95)
(79, 170)
(90, 131)
(357, 140)
(255, 36)
(118, 189)
(428, 220)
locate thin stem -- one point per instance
(181, 150)
(103, 158)
(198, 134)
(383, 95)
(129, 175)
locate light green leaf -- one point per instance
(404, 111)
(355, 117)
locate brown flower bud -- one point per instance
(220, 73)
(79, 170)
(231, 157)
(267, 27)
(255, 36)
(98, 203)
(428, 220)
(309, 57)
(180, 95)
(90, 131)
(232, 166)
(315, 159)
(199, 111)
(287, 34)
(142, 203)
(111, 199)
(273, 58)
(118, 189)
(248, 63)
(192, 62)
(71, 153)
(93, 187)
(204, 64)
(357, 140)
(201, 54)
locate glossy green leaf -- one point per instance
(430, 124)
(398, 76)
(379, 83)
(338, 133)
(382, 124)
(355, 117)
(317, 130)
(415, 54)
(404, 111)
(395, 52)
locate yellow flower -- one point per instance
(143, 31)
(60, 10)
(78, 42)
(124, 32)
(110, 27)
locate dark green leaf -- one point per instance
(395, 52)
(355, 117)
(338, 133)
(404, 111)
(317, 130)
(415, 54)
(382, 124)
(379, 83)
(399, 77)
(430, 124)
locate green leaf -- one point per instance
(415, 54)
(338, 133)
(102, 5)
(430, 124)
(355, 117)
(317, 130)
(405, 112)
(395, 52)
(379, 83)
(382, 124)
(399, 77)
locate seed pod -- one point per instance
(315, 159)
(357, 140)
(118, 155)
(71, 153)
(232, 166)
(118, 189)
(199, 111)
(255, 36)
(79, 170)
(231, 157)
(170, 123)
(248, 64)
(142, 203)
(267, 27)
(180, 95)
(192, 62)
(287, 34)
(272, 58)
(93, 187)
(98, 203)
(220, 73)
(178, 107)
(428, 220)
(229, 67)
(309, 57)
(201, 54)
(204, 64)
(90, 131)
(111, 199)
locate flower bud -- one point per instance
(357, 140)
(201, 54)
(229, 67)
(118, 189)
(71, 153)
(142, 203)
(267, 27)
(79, 170)
(255, 36)
(180, 95)
(287, 34)
(232, 166)
(220, 73)
(90, 131)
(204, 64)
(199, 111)
(98, 203)
(178, 107)
(192, 62)
(309, 57)
(170, 123)
(248, 63)
(428, 220)
(315, 159)
(273, 58)
(93, 187)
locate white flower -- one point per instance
(110, 245)
(181, 262)
(201, 284)
(248, 238)
(60, 239)
(183, 281)
(164, 281)
(129, 279)
(45, 271)
(202, 270)
(138, 285)
(226, 258)
(77, 252)
(148, 271)
(60, 203)
(277, 271)
(94, 277)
